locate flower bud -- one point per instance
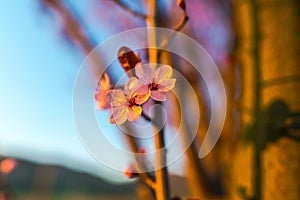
(131, 172)
(142, 150)
(127, 58)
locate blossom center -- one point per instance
(153, 86)
(131, 102)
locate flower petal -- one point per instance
(131, 86)
(167, 85)
(142, 98)
(142, 90)
(144, 72)
(134, 113)
(101, 90)
(103, 104)
(119, 115)
(105, 82)
(99, 95)
(162, 73)
(117, 97)
(158, 96)
(102, 101)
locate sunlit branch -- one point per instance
(146, 177)
(71, 25)
(161, 172)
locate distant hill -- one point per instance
(44, 182)
(32, 181)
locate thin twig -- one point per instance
(130, 10)
(146, 117)
(177, 28)
(76, 30)
(146, 179)
(145, 176)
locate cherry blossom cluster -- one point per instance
(151, 82)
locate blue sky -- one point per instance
(37, 71)
(36, 83)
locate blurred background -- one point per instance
(254, 43)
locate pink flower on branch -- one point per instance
(157, 81)
(126, 105)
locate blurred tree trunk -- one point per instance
(268, 52)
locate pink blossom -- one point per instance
(126, 105)
(157, 81)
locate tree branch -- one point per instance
(161, 172)
(177, 28)
(128, 9)
(75, 30)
